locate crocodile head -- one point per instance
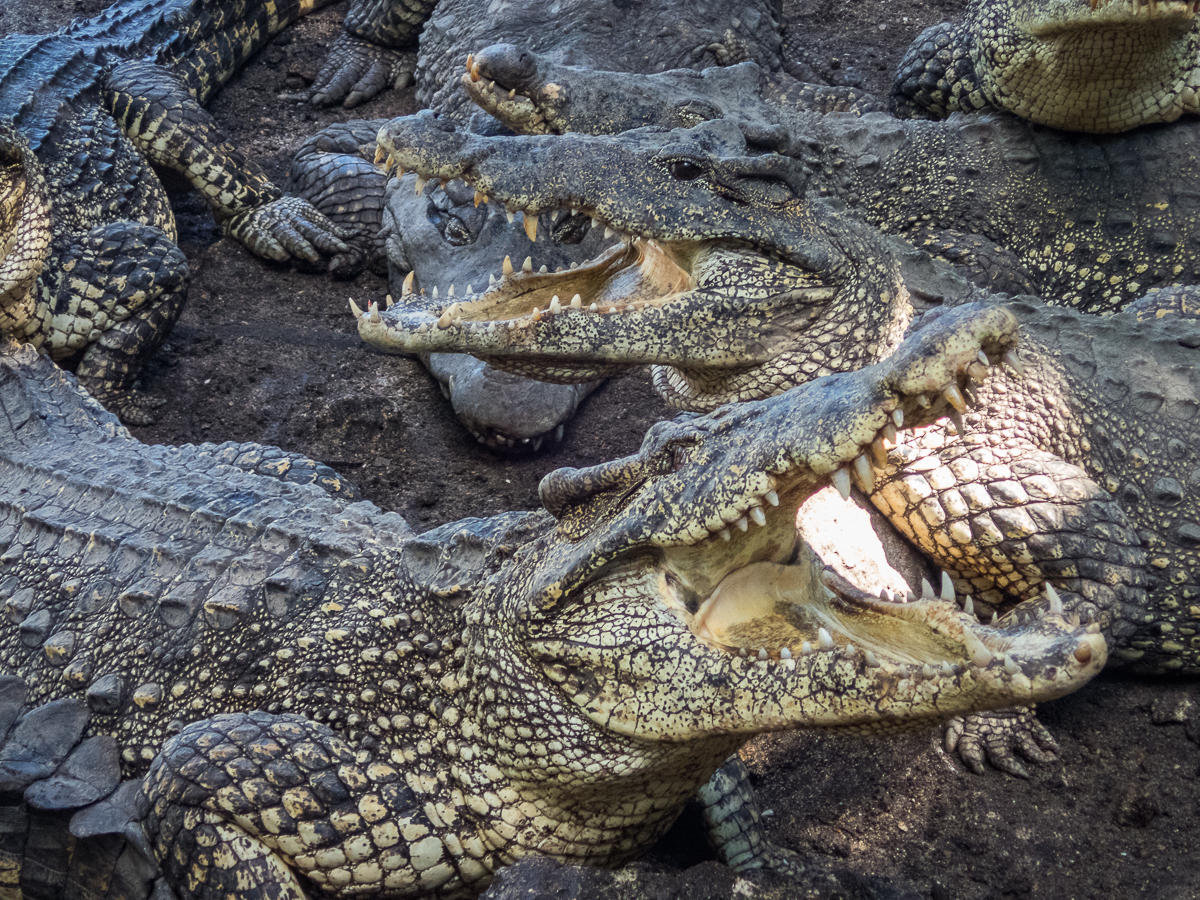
(672, 601)
(24, 231)
(725, 273)
(532, 94)
(1088, 65)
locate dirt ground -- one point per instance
(269, 353)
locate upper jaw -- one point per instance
(1167, 15)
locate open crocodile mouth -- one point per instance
(640, 273)
(511, 105)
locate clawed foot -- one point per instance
(286, 228)
(357, 70)
(997, 737)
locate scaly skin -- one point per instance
(1082, 65)
(1115, 530)
(1085, 221)
(313, 690)
(91, 107)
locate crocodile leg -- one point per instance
(368, 56)
(1006, 520)
(734, 823)
(126, 281)
(165, 122)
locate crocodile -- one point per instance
(91, 271)
(1084, 478)
(1091, 221)
(374, 51)
(306, 696)
(1081, 65)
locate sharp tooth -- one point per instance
(543, 270)
(725, 535)
(759, 517)
(866, 475)
(536, 315)
(470, 61)
(969, 606)
(954, 397)
(450, 293)
(885, 594)
(841, 481)
(354, 309)
(479, 198)
(743, 523)
(889, 435)
(531, 223)
(879, 454)
(387, 301)
(849, 649)
(805, 649)
(595, 222)
(762, 653)
(927, 671)
(421, 182)
(445, 320)
(898, 417)
(511, 216)
(512, 93)
(772, 498)
(977, 373)
(527, 266)
(380, 154)
(983, 358)
(1056, 606)
(508, 266)
(995, 616)
(491, 280)
(555, 306)
(1013, 359)
(976, 649)
(608, 232)
(947, 588)
(823, 638)
(435, 293)
(926, 590)
(785, 653)
(871, 659)
(1010, 665)
(576, 302)
(742, 651)
(407, 287)
(947, 669)
(613, 309)
(593, 308)
(574, 265)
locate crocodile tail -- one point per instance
(223, 36)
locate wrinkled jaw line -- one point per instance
(638, 273)
(516, 109)
(1166, 15)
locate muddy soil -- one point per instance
(270, 353)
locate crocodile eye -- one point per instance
(685, 169)
(679, 457)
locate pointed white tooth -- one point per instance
(543, 270)
(531, 225)
(995, 616)
(725, 535)
(1010, 665)
(435, 293)
(785, 653)
(969, 606)
(508, 266)
(955, 397)
(743, 523)
(445, 320)
(898, 417)
(759, 517)
(593, 308)
(976, 649)
(805, 649)
(595, 222)
(491, 280)
(928, 672)
(536, 315)
(947, 588)
(574, 265)
(354, 309)
(576, 302)
(866, 475)
(983, 358)
(608, 232)
(927, 590)
(772, 498)
(871, 659)
(885, 594)
(762, 653)
(527, 266)
(841, 481)
(407, 287)
(421, 182)
(1013, 359)
(1056, 606)
(510, 215)
(742, 651)
(849, 649)
(555, 305)
(450, 293)
(824, 639)
(479, 198)
(947, 669)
